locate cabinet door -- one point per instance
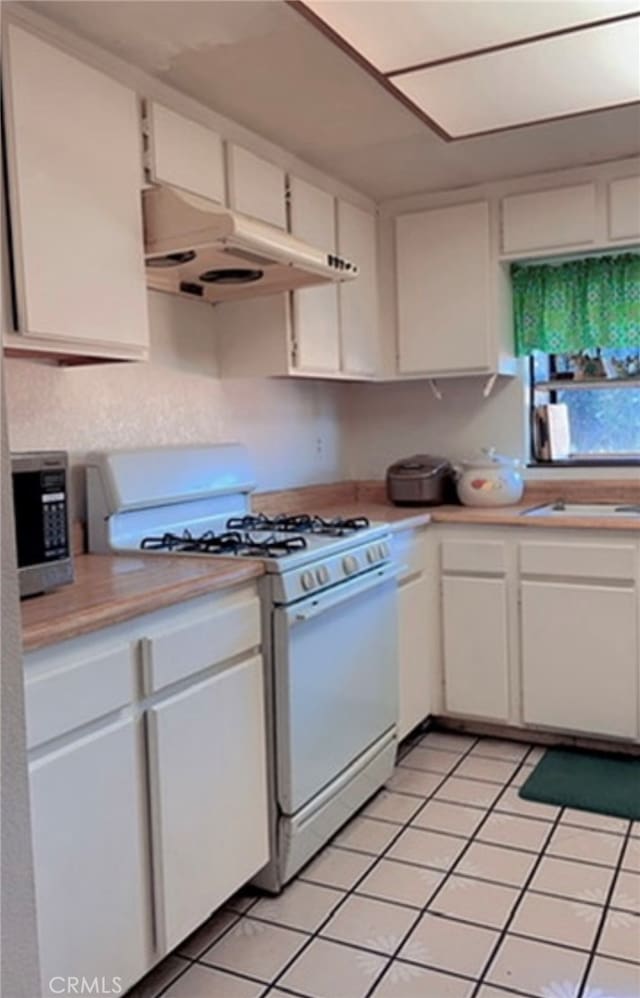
(414, 654)
(476, 650)
(207, 765)
(358, 298)
(74, 155)
(580, 657)
(184, 154)
(89, 860)
(444, 299)
(624, 208)
(315, 310)
(549, 219)
(256, 187)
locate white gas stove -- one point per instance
(329, 624)
(196, 501)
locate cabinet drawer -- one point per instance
(76, 690)
(581, 561)
(549, 219)
(196, 641)
(474, 556)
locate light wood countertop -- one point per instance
(512, 516)
(111, 588)
(369, 499)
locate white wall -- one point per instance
(394, 420)
(291, 428)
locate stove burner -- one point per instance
(230, 543)
(299, 523)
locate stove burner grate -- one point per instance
(232, 542)
(300, 523)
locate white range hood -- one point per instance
(196, 248)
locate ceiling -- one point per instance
(467, 68)
(262, 64)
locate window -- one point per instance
(579, 323)
(585, 408)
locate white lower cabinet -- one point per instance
(209, 795)
(541, 628)
(475, 625)
(89, 859)
(580, 657)
(414, 638)
(476, 646)
(137, 840)
(418, 643)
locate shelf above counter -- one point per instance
(562, 385)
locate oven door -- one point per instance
(335, 670)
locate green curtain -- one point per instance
(579, 305)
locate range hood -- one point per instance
(196, 248)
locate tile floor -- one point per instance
(446, 885)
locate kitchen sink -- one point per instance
(593, 509)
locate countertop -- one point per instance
(111, 588)
(403, 517)
(511, 516)
(368, 499)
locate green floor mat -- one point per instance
(589, 781)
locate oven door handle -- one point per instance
(313, 606)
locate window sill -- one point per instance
(584, 462)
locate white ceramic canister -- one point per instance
(489, 480)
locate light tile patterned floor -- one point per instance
(447, 885)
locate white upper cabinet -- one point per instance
(549, 219)
(316, 327)
(359, 298)
(445, 305)
(74, 153)
(624, 208)
(184, 154)
(256, 187)
(330, 331)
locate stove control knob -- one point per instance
(372, 555)
(350, 564)
(307, 580)
(384, 548)
(322, 575)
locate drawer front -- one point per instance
(77, 691)
(410, 553)
(589, 561)
(194, 643)
(474, 556)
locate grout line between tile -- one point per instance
(605, 911)
(505, 929)
(352, 889)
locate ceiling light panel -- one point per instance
(569, 74)
(396, 34)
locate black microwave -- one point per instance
(42, 518)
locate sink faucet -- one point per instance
(559, 505)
